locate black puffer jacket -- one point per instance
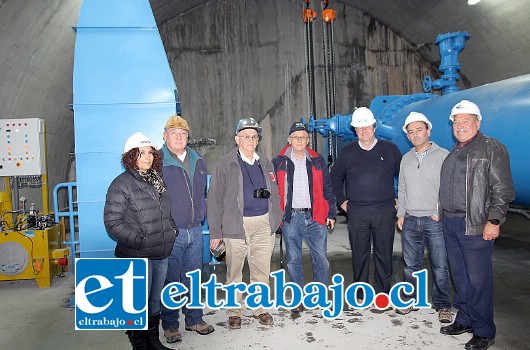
(139, 218)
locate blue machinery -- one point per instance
(123, 84)
(505, 107)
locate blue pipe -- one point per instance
(504, 106)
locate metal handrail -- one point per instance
(71, 213)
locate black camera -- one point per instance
(262, 193)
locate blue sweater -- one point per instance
(368, 175)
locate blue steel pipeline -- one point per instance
(504, 105)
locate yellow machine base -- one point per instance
(31, 254)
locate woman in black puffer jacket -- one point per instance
(138, 215)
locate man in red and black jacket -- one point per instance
(308, 202)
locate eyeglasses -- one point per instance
(248, 137)
(299, 138)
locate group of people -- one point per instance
(452, 203)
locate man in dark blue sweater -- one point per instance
(368, 167)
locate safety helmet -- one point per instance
(416, 117)
(465, 107)
(136, 140)
(362, 117)
(248, 123)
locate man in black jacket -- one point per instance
(475, 190)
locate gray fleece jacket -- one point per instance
(419, 182)
(225, 197)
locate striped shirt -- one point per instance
(301, 197)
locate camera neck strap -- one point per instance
(245, 165)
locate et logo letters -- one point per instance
(111, 294)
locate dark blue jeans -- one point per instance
(472, 272)
(418, 233)
(303, 228)
(377, 226)
(185, 257)
(157, 270)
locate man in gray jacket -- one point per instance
(244, 212)
(475, 191)
(419, 185)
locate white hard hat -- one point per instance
(465, 107)
(416, 117)
(362, 117)
(136, 140)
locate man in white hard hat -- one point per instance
(475, 190)
(184, 172)
(419, 185)
(244, 212)
(368, 167)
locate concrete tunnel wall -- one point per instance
(36, 58)
(234, 59)
(230, 59)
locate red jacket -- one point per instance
(323, 203)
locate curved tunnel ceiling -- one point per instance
(500, 30)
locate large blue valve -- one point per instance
(450, 46)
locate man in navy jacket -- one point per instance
(184, 172)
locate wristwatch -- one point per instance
(494, 221)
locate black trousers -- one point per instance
(375, 227)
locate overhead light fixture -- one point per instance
(473, 2)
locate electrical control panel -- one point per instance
(22, 147)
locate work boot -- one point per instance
(172, 335)
(202, 328)
(153, 333)
(444, 316)
(138, 340)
